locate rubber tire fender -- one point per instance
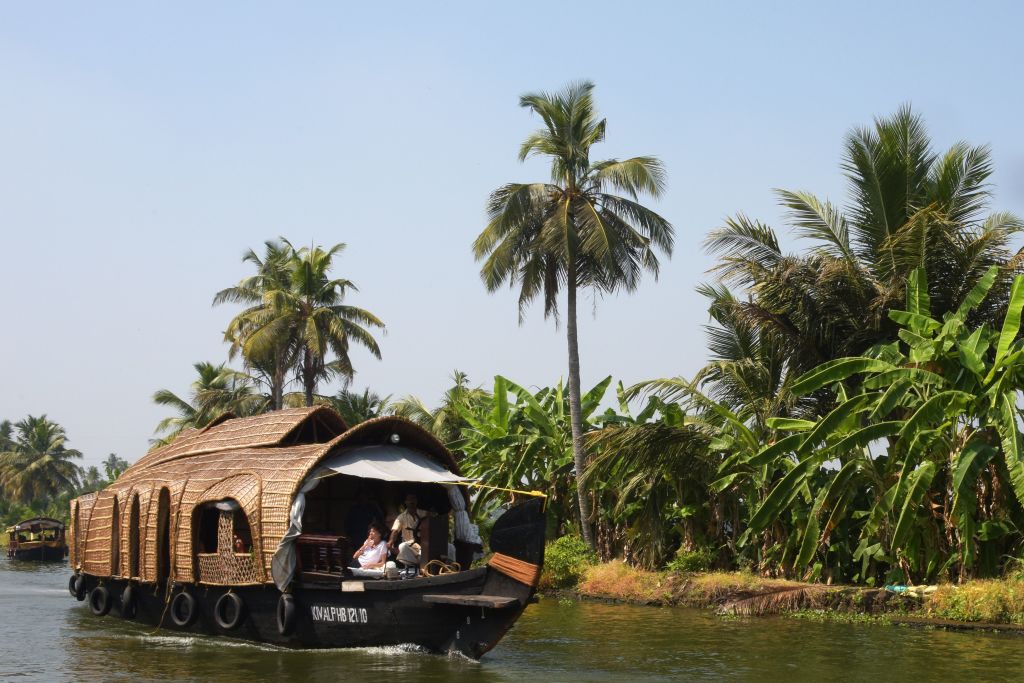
(79, 589)
(223, 603)
(99, 601)
(71, 585)
(183, 609)
(286, 613)
(128, 602)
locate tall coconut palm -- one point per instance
(218, 389)
(273, 273)
(40, 467)
(309, 311)
(573, 232)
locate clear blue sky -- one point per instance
(143, 148)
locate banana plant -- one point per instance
(523, 440)
(921, 457)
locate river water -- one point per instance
(45, 635)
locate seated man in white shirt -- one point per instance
(408, 525)
(371, 557)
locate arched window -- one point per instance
(223, 545)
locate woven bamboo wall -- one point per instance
(240, 459)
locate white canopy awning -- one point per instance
(390, 463)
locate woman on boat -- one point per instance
(374, 551)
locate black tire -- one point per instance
(183, 609)
(128, 606)
(71, 585)
(229, 611)
(99, 601)
(79, 592)
(286, 610)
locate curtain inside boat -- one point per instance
(282, 566)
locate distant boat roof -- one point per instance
(41, 522)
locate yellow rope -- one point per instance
(501, 488)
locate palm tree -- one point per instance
(273, 273)
(217, 390)
(573, 232)
(447, 421)
(355, 407)
(40, 467)
(909, 208)
(114, 466)
(92, 480)
(308, 311)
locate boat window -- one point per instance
(163, 536)
(133, 538)
(223, 545)
(221, 527)
(206, 529)
(115, 540)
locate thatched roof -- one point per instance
(258, 461)
(40, 522)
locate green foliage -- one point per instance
(37, 474)
(216, 390)
(688, 561)
(565, 561)
(297, 318)
(355, 407)
(39, 466)
(916, 512)
(517, 439)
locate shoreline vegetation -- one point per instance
(857, 423)
(983, 604)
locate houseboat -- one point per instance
(39, 539)
(244, 529)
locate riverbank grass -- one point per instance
(991, 601)
(618, 581)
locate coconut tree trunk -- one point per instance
(575, 411)
(308, 376)
(277, 381)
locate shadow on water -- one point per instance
(48, 636)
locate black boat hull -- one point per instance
(358, 613)
(39, 554)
